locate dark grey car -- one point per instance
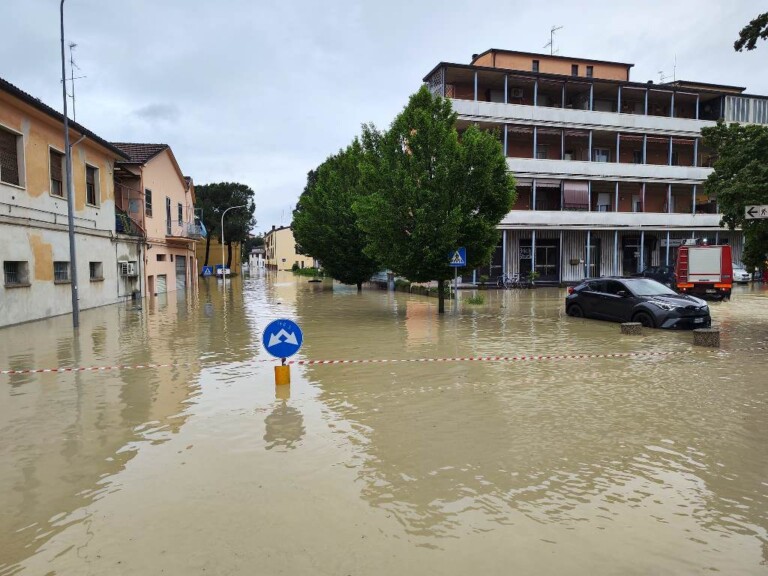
(636, 300)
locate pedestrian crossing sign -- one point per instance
(458, 258)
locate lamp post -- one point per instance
(70, 200)
(223, 270)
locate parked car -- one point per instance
(740, 274)
(636, 300)
(663, 274)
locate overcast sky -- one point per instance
(261, 92)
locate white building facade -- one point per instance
(609, 172)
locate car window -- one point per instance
(613, 287)
(648, 287)
(596, 285)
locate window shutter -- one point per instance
(9, 161)
(56, 166)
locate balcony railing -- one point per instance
(191, 230)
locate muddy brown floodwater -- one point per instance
(644, 464)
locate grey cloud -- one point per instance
(161, 112)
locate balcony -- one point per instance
(184, 231)
(577, 169)
(573, 118)
(564, 220)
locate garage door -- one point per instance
(162, 283)
(181, 273)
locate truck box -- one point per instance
(705, 270)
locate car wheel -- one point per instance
(645, 319)
(575, 311)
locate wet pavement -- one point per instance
(625, 465)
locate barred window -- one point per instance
(57, 181)
(61, 271)
(15, 273)
(91, 185)
(148, 202)
(9, 158)
(181, 214)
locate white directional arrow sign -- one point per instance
(756, 212)
(282, 336)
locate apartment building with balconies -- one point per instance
(609, 172)
(155, 197)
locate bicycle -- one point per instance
(508, 281)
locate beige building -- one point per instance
(280, 250)
(152, 190)
(34, 242)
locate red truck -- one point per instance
(704, 270)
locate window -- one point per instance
(637, 156)
(542, 152)
(161, 257)
(96, 271)
(590, 70)
(148, 202)
(56, 167)
(601, 155)
(180, 210)
(15, 273)
(91, 185)
(60, 272)
(9, 158)
(574, 69)
(535, 66)
(167, 216)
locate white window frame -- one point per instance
(63, 174)
(20, 158)
(96, 185)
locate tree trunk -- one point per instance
(207, 248)
(359, 286)
(229, 255)
(440, 297)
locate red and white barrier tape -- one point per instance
(525, 358)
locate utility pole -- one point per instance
(70, 199)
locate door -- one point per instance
(162, 283)
(617, 307)
(181, 273)
(547, 259)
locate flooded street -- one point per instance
(644, 464)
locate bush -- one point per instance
(306, 271)
(476, 299)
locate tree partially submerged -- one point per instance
(756, 30)
(430, 192)
(740, 179)
(212, 200)
(324, 224)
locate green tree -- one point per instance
(250, 243)
(757, 29)
(324, 223)
(212, 200)
(740, 179)
(430, 192)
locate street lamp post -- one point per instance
(223, 270)
(70, 200)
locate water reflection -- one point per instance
(284, 426)
(453, 449)
(64, 436)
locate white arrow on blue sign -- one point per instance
(282, 338)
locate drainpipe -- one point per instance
(590, 147)
(616, 252)
(475, 85)
(641, 264)
(588, 259)
(533, 194)
(618, 146)
(697, 107)
(506, 88)
(694, 200)
(618, 102)
(535, 144)
(503, 251)
(535, 93)
(695, 152)
(666, 259)
(645, 149)
(591, 97)
(646, 102)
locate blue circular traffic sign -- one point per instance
(282, 338)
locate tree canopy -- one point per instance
(756, 30)
(740, 179)
(430, 192)
(213, 199)
(324, 224)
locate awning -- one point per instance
(546, 183)
(575, 195)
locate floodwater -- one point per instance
(645, 464)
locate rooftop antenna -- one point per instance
(551, 43)
(72, 77)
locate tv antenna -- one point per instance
(551, 43)
(663, 77)
(72, 77)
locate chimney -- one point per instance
(273, 227)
